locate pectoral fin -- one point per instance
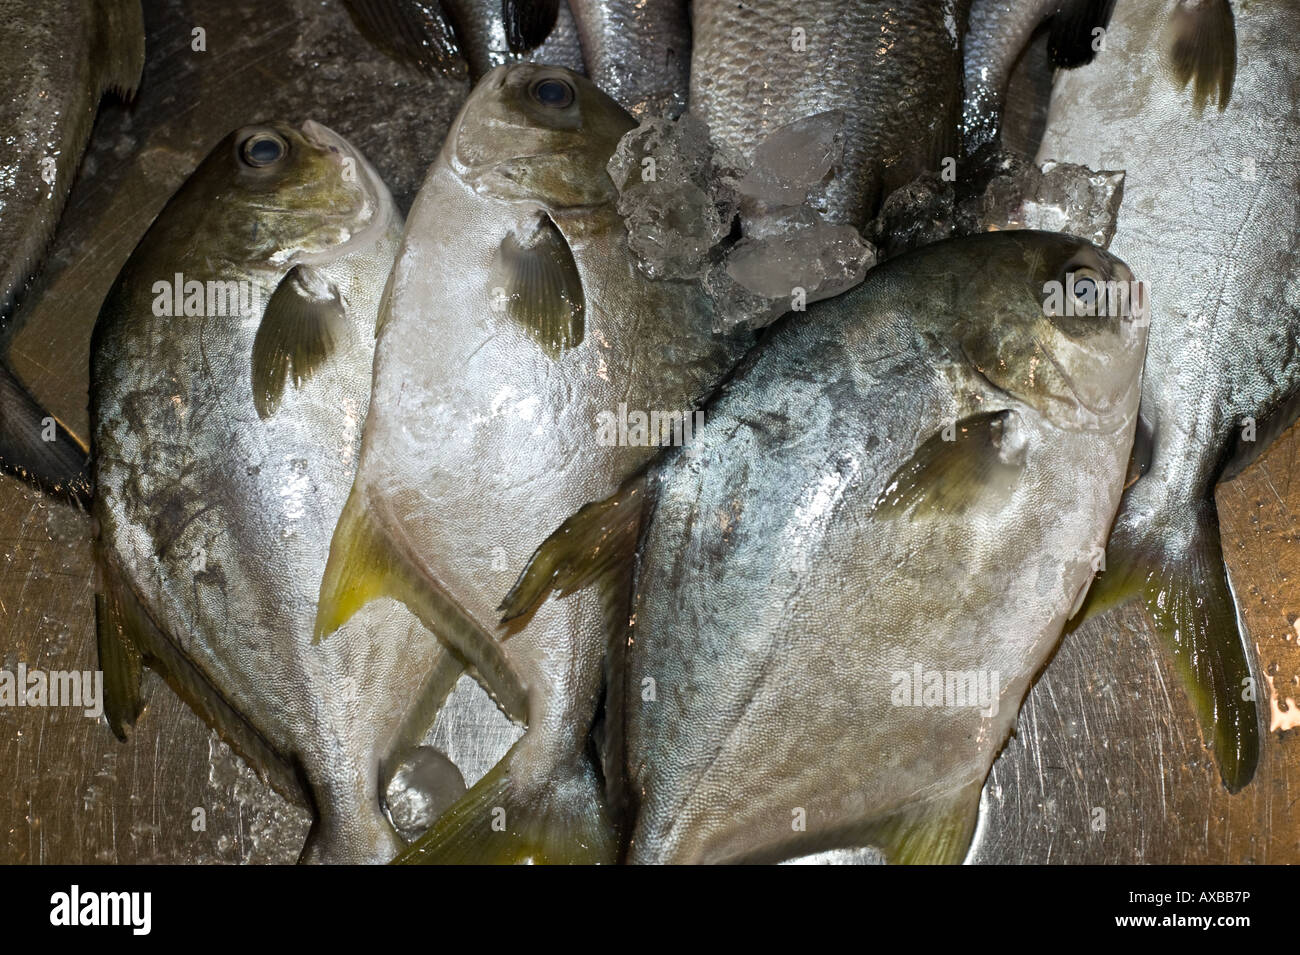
(535, 279)
(303, 322)
(364, 565)
(1073, 39)
(973, 461)
(528, 22)
(417, 32)
(1202, 47)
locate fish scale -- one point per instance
(893, 68)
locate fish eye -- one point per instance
(1088, 288)
(553, 93)
(263, 149)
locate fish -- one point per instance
(1000, 30)
(846, 584)
(60, 58)
(637, 51)
(1211, 220)
(230, 377)
(517, 335)
(893, 69)
(460, 38)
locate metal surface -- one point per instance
(1103, 729)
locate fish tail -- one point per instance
(121, 46)
(524, 813)
(1077, 27)
(1202, 49)
(1174, 564)
(35, 446)
(364, 565)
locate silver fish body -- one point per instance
(802, 579)
(484, 428)
(638, 52)
(481, 33)
(894, 69)
(1211, 220)
(215, 507)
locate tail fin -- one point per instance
(1076, 30)
(37, 448)
(1177, 569)
(121, 46)
(518, 814)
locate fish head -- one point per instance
(302, 194)
(1062, 327)
(542, 134)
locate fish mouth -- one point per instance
(378, 209)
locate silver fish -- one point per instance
(230, 377)
(59, 58)
(516, 324)
(894, 69)
(1211, 219)
(846, 584)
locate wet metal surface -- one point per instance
(1107, 764)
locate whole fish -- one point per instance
(1211, 220)
(59, 58)
(999, 32)
(517, 338)
(452, 37)
(230, 377)
(846, 584)
(894, 69)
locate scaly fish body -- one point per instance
(58, 59)
(638, 52)
(516, 319)
(912, 478)
(225, 448)
(1211, 219)
(894, 69)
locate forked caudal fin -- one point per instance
(1179, 574)
(518, 815)
(364, 565)
(1075, 31)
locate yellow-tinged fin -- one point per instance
(301, 325)
(974, 460)
(188, 682)
(502, 821)
(535, 279)
(364, 565)
(35, 446)
(116, 619)
(120, 46)
(935, 832)
(412, 31)
(1073, 37)
(528, 22)
(1179, 574)
(1202, 49)
(594, 545)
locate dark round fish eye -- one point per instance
(263, 149)
(557, 94)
